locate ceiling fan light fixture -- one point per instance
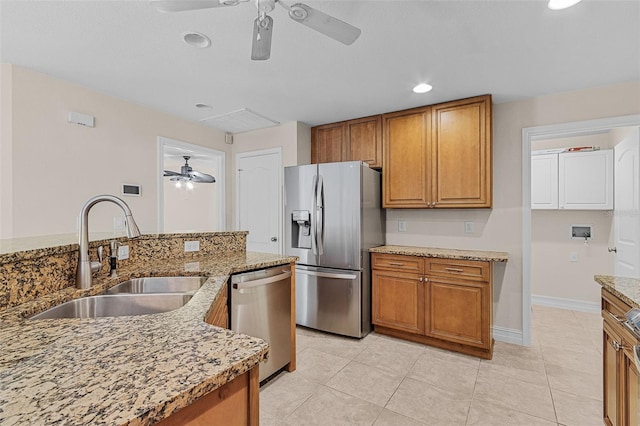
(561, 4)
(422, 88)
(196, 39)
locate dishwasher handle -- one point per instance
(262, 281)
(328, 275)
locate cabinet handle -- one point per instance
(453, 269)
(616, 318)
(421, 279)
(618, 346)
(396, 263)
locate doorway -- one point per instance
(259, 199)
(190, 206)
(529, 136)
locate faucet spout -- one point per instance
(83, 273)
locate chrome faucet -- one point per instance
(85, 267)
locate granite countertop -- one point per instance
(132, 370)
(487, 256)
(627, 289)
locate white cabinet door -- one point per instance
(544, 182)
(585, 180)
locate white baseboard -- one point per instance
(507, 335)
(571, 304)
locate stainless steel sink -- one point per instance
(115, 305)
(159, 285)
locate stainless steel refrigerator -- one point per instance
(333, 216)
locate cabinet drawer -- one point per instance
(613, 306)
(397, 262)
(467, 269)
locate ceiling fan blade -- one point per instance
(184, 5)
(170, 173)
(261, 45)
(323, 23)
(201, 177)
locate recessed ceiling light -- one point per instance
(198, 40)
(422, 88)
(561, 4)
(203, 106)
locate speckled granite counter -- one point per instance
(125, 370)
(487, 256)
(627, 289)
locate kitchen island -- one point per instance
(134, 370)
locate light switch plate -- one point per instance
(191, 246)
(402, 226)
(468, 228)
(573, 256)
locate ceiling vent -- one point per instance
(242, 120)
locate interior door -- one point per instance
(627, 206)
(258, 183)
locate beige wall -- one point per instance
(51, 167)
(500, 228)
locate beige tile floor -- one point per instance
(384, 381)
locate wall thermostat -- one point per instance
(131, 190)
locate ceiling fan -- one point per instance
(187, 174)
(263, 25)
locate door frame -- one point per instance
(530, 134)
(218, 157)
(246, 154)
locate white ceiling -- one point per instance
(511, 49)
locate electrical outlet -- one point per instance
(191, 246)
(402, 226)
(123, 252)
(468, 228)
(573, 256)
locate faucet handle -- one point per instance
(100, 250)
(96, 266)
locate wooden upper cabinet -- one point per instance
(364, 140)
(406, 158)
(353, 140)
(462, 152)
(438, 156)
(327, 143)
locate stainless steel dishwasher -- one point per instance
(261, 307)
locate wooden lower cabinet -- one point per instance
(219, 312)
(620, 374)
(234, 404)
(441, 302)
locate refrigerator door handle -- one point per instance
(320, 214)
(327, 275)
(314, 236)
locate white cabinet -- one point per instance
(544, 182)
(572, 180)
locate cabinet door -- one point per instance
(611, 362)
(328, 143)
(544, 182)
(585, 180)
(630, 387)
(461, 172)
(406, 159)
(398, 299)
(458, 311)
(364, 140)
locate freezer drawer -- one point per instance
(329, 300)
(261, 307)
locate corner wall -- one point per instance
(55, 167)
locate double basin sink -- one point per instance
(139, 296)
